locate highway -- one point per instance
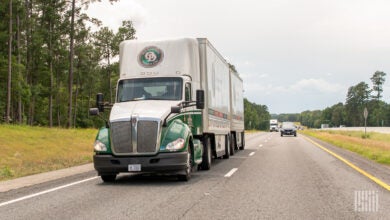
(273, 178)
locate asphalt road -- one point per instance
(273, 178)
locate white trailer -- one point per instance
(214, 72)
(236, 112)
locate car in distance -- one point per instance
(288, 128)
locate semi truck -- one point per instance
(178, 105)
(273, 125)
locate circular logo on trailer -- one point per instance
(150, 56)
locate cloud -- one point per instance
(112, 17)
(320, 85)
(251, 82)
(301, 95)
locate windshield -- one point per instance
(288, 125)
(161, 88)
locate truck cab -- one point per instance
(142, 133)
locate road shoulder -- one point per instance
(43, 177)
(380, 171)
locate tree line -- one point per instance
(350, 113)
(256, 116)
(53, 64)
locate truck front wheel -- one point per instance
(108, 178)
(187, 172)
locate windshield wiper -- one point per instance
(139, 98)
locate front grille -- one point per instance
(121, 137)
(147, 136)
(122, 134)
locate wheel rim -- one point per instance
(189, 161)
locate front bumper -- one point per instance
(289, 132)
(160, 163)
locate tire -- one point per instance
(206, 157)
(242, 141)
(187, 172)
(108, 178)
(232, 144)
(227, 147)
(236, 147)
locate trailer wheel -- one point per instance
(242, 141)
(233, 144)
(187, 172)
(108, 178)
(206, 157)
(227, 147)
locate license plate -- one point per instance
(134, 167)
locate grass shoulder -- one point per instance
(374, 146)
(29, 150)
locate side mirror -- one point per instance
(100, 102)
(175, 109)
(200, 99)
(93, 111)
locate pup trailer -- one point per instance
(178, 105)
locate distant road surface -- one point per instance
(273, 178)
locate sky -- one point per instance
(293, 55)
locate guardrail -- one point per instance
(385, 130)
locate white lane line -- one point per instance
(231, 172)
(251, 154)
(46, 191)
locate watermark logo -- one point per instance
(150, 57)
(366, 201)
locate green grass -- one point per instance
(374, 146)
(28, 150)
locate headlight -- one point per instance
(176, 145)
(99, 146)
